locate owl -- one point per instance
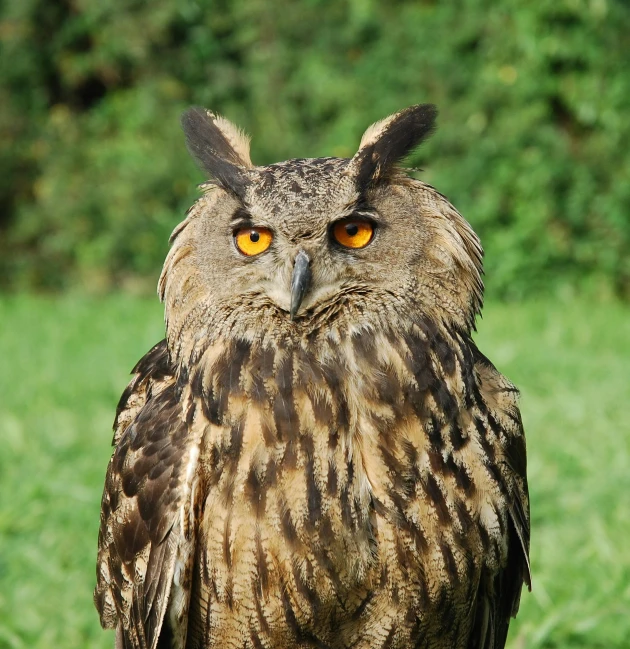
(317, 455)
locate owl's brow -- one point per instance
(241, 215)
(361, 208)
(360, 204)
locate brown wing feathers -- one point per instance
(142, 496)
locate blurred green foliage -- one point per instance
(534, 144)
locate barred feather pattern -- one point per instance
(351, 487)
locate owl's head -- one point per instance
(308, 243)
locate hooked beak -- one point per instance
(300, 281)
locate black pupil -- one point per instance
(352, 229)
(254, 236)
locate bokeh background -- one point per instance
(533, 148)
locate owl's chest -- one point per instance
(318, 535)
(292, 511)
(331, 501)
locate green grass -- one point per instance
(65, 362)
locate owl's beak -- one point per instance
(300, 281)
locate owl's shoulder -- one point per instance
(151, 375)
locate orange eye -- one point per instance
(253, 241)
(353, 234)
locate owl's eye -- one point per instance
(253, 241)
(353, 233)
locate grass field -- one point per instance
(65, 361)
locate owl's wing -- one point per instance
(146, 532)
(498, 598)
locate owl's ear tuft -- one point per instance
(219, 147)
(389, 141)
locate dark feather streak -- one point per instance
(404, 133)
(213, 152)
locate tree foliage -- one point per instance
(533, 146)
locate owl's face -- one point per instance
(305, 241)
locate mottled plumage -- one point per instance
(351, 476)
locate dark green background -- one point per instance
(533, 146)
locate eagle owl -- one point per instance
(317, 455)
